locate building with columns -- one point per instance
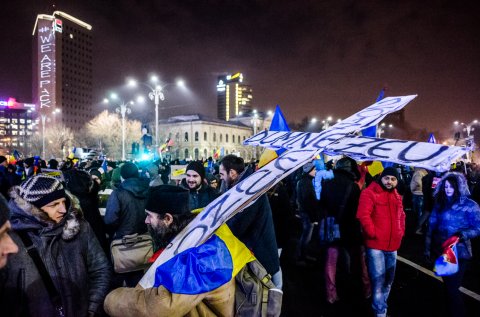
(197, 136)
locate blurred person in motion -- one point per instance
(7, 246)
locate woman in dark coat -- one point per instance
(453, 214)
(68, 248)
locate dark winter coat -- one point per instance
(460, 217)
(200, 198)
(125, 211)
(254, 227)
(80, 184)
(283, 215)
(382, 218)
(306, 200)
(72, 255)
(339, 199)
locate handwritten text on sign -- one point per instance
(246, 192)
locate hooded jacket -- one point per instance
(382, 218)
(125, 211)
(71, 254)
(461, 217)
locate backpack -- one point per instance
(255, 293)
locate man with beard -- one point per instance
(254, 225)
(381, 215)
(196, 282)
(200, 193)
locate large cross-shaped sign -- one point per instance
(301, 148)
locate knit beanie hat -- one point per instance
(4, 211)
(196, 166)
(129, 170)
(40, 190)
(308, 167)
(390, 171)
(167, 198)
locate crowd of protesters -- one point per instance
(68, 213)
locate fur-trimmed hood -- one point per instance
(462, 184)
(26, 216)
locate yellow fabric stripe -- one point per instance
(239, 252)
(241, 255)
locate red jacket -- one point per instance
(381, 215)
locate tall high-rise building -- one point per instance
(233, 97)
(62, 68)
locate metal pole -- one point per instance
(44, 119)
(156, 121)
(123, 108)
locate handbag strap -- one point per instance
(47, 279)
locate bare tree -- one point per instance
(58, 138)
(105, 131)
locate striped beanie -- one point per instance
(40, 190)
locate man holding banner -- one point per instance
(197, 282)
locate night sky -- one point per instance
(314, 58)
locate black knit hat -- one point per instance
(167, 198)
(4, 211)
(40, 190)
(196, 166)
(129, 170)
(390, 171)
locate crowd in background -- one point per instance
(340, 209)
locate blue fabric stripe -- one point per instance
(197, 270)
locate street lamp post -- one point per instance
(469, 128)
(381, 129)
(123, 110)
(156, 95)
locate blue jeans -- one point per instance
(417, 206)
(381, 268)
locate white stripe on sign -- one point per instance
(431, 274)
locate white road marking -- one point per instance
(431, 274)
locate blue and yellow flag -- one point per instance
(278, 124)
(206, 267)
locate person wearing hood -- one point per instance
(44, 213)
(125, 212)
(381, 215)
(453, 214)
(200, 193)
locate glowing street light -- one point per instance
(123, 109)
(156, 94)
(314, 120)
(467, 127)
